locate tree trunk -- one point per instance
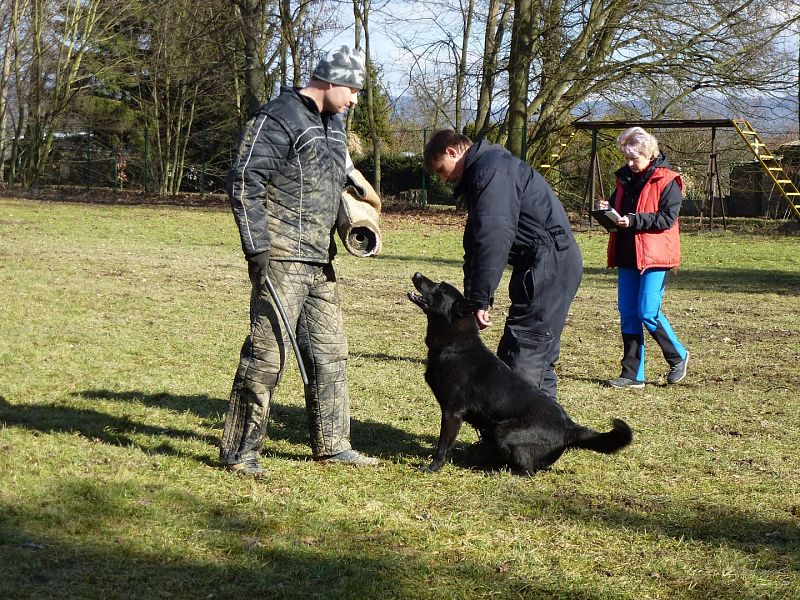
(370, 86)
(461, 74)
(284, 10)
(249, 11)
(496, 22)
(13, 16)
(36, 83)
(519, 64)
(297, 62)
(22, 115)
(357, 46)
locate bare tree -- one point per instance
(361, 12)
(442, 64)
(257, 30)
(179, 60)
(564, 55)
(497, 20)
(59, 35)
(717, 46)
(9, 19)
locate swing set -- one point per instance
(713, 194)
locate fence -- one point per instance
(128, 161)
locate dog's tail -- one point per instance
(607, 443)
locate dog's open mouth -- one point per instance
(418, 299)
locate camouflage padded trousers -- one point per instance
(310, 298)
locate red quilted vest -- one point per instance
(659, 248)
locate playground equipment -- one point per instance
(770, 165)
(712, 192)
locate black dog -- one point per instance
(527, 429)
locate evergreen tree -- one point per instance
(383, 114)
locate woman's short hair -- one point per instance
(637, 141)
(440, 141)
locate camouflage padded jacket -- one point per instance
(287, 180)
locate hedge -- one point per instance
(402, 172)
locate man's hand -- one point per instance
(257, 266)
(482, 317)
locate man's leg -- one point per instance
(526, 340)
(540, 298)
(320, 334)
(568, 270)
(261, 365)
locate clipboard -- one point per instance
(607, 217)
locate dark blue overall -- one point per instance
(515, 218)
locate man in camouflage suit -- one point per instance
(285, 187)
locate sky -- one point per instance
(398, 23)
(393, 25)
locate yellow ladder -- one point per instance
(770, 164)
(552, 158)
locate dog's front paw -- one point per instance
(433, 467)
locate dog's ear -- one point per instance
(464, 307)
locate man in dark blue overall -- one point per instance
(513, 218)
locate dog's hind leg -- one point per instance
(533, 457)
(451, 424)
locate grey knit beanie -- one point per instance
(342, 66)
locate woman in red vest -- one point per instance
(644, 248)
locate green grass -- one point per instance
(119, 335)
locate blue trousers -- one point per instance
(639, 300)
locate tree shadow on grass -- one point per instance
(267, 555)
(743, 281)
(249, 562)
(202, 405)
(696, 521)
(95, 425)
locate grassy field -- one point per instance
(119, 335)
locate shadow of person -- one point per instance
(289, 423)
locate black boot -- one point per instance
(632, 357)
